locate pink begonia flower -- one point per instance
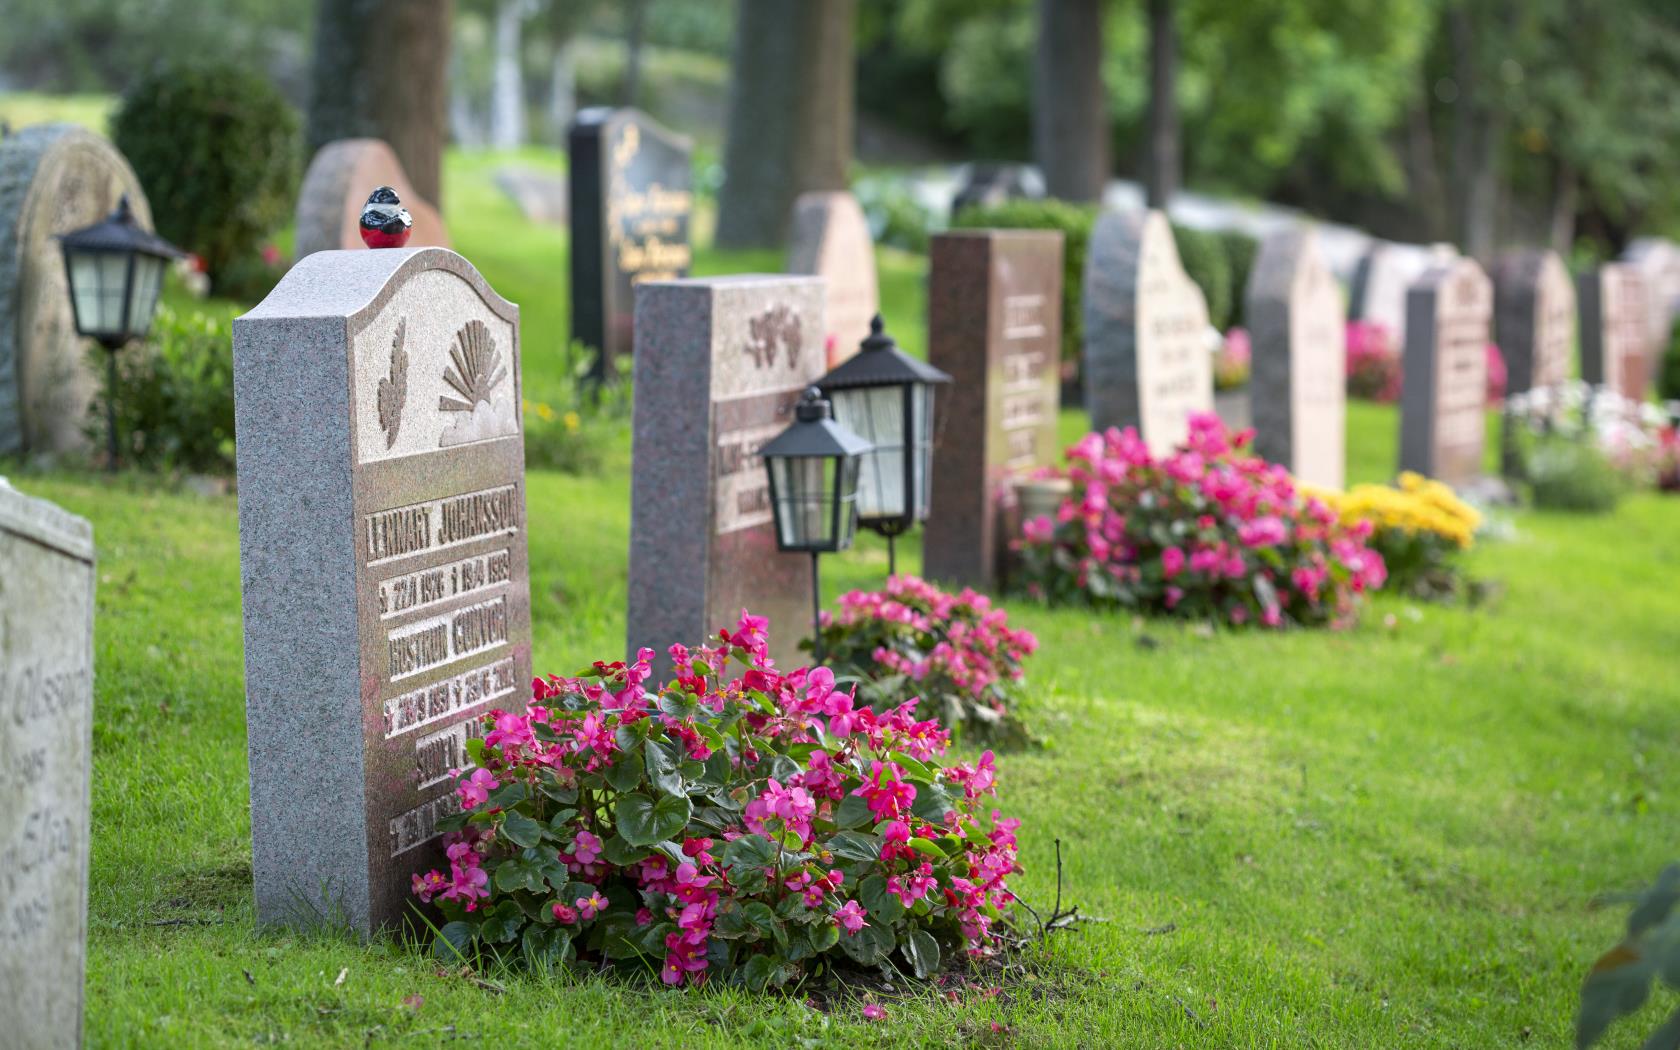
(587, 846)
(1039, 529)
(850, 916)
(1172, 562)
(887, 795)
(874, 1011)
(644, 917)
(475, 790)
(563, 914)
(592, 905)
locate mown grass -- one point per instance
(1387, 837)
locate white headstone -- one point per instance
(1299, 390)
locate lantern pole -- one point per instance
(111, 406)
(816, 610)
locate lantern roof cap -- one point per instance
(814, 432)
(880, 362)
(119, 232)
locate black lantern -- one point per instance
(115, 269)
(886, 396)
(813, 467)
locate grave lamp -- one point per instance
(115, 269)
(886, 396)
(813, 467)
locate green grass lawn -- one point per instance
(1387, 837)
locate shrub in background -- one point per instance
(1419, 526)
(1668, 370)
(1240, 250)
(174, 395)
(1204, 259)
(1581, 447)
(1075, 222)
(747, 829)
(954, 653)
(218, 150)
(1373, 362)
(1573, 475)
(896, 215)
(1209, 532)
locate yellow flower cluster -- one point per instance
(1417, 504)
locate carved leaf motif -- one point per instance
(393, 389)
(777, 327)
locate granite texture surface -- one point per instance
(1293, 309)
(719, 365)
(46, 722)
(1449, 318)
(336, 186)
(54, 178)
(1534, 319)
(384, 567)
(1146, 327)
(1615, 349)
(995, 326)
(631, 199)
(830, 239)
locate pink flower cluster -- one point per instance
(1209, 531)
(947, 649)
(783, 755)
(1373, 362)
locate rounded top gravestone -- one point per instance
(831, 240)
(54, 178)
(336, 186)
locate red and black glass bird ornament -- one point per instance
(385, 222)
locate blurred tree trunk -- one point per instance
(1478, 135)
(1423, 173)
(507, 82)
(1566, 186)
(1163, 165)
(562, 91)
(379, 72)
(1070, 111)
(791, 112)
(637, 14)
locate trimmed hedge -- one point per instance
(1204, 259)
(1240, 250)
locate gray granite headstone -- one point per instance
(1534, 319)
(1449, 313)
(1615, 329)
(46, 726)
(382, 536)
(336, 186)
(1382, 277)
(54, 178)
(1147, 362)
(831, 240)
(995, 326)
(720, 363)
(1299, 390)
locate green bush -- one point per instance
(217, 150)
(174, 396)
(1240, 250)
(1075, 222)
(1668, 371)
(1203, 256)
(575, 433)
(1565, 474)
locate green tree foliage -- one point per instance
(218, 152)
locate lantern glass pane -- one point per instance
(148, 282)
(921, 454)
(805, 494)
(113, 286)
(85, 277)
(848, 493)
(876, 414)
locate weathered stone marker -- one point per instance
(1615, 329)
(720, 364)
(1147, 363)
(1442, 428)
(995, 325)
(630, 200)
(54, 178)
(383, 549)
(1534, 318)
(831, 240)
(336, 186)
(46, 727)
(1658, 259)
(1299, 392)
(1381, 280)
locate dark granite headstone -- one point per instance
(631, 198)
(720, 364)
(46, 751)
(1147, 360)
(54, 178)
(382, 546)
(1534, 319)
(1449, 312)
(1299, 391)
(1615, 329)
(995, 325)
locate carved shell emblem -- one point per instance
(476, 370)
(393, 389)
